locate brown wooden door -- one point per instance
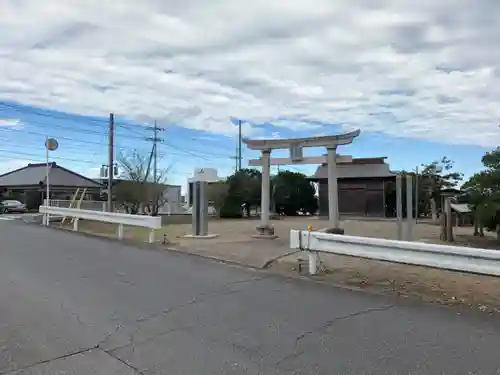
(352, 201)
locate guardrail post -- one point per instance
(75, 225)
(313, 263)
(120, 231)
(152, 236)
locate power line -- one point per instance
(205, 155)
(83, 144)
(94, 132)
(30, 157)
(59, 115)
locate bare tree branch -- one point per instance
(140, 188)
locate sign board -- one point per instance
(204, 174)
(296, 153)
(103, 172)
(51, 144)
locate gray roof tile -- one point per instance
(352, 170)
(33, 174)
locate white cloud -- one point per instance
(7, 165)
(428, 70)
(10, 123)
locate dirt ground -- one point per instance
(243, 229)
(431, 285)
(478, 292)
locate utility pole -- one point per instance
(236, 166)
(155, 156)
(111, 141)
(155, 141)
(239, 145)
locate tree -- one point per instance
(435, 177)
(140, 187)
(476, 194)
(217, 193)
(244, 186)
(293, 192)
(482, 193)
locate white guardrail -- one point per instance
(145, 221)
(455, 258)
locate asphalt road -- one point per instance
(76, 305)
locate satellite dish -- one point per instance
(51, 144)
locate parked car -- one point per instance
(12, 206)
(210, 210)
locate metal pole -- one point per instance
(47, 181)
(110, 161)
(155, 173)
(155, 153)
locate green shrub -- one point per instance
(231, 209)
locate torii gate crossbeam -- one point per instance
(295, 145)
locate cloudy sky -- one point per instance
(420, 79)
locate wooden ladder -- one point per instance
(75, 203)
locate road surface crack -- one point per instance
(133, 368)
(200, 298)
(45, 361)
(297, 353)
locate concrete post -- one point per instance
(313, 263)
(200, 208)
(399, 207)
(434, 211)
(120, 231)
(266, 182)
(409, 207)
(333, 192)
(265, 229)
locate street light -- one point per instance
(50, 145)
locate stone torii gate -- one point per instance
(296, 145)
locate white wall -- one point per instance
(173, 199)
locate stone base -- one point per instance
(201, 237)
(265, 232)
(333, 230)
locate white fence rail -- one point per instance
(168, 208)
(145, 221)
(455, 258)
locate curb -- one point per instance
(157, 247)
(271, 261)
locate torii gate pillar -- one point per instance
(295, 145)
